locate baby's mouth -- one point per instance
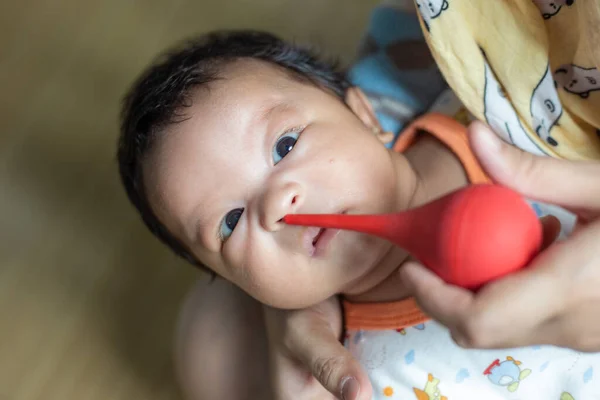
(311, 237)
(318, 236)
(316, 240)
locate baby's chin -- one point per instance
(294, 302)
(296, 293)
(357, 270)
(375, 275)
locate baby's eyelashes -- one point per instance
(285, 144)
(229, 223)
(282, 148)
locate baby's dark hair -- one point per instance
(159, 96)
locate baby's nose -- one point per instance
(279, 201)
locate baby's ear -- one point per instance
(360, 105)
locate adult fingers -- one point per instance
(444, 303)
(571, 184)
(317, 346)
(480, 319)
(313, 349)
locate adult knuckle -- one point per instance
(588, 346)
(583, 342)
(288, 340)
(526, 170)
(290, 333)
(474, 333)
(325, 368)
(293, 318)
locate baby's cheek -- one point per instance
(254, 267)
(283, 280)
(362, 252)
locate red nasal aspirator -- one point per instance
(468, 238)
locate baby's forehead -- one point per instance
(243, 93)
(214, 124)
(254, 72)
(239, 86)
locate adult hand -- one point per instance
(308, 361)
(556, 299)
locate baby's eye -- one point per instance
(229, 222)
(284, 145)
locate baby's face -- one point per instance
(259, 145)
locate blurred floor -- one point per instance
(88, 299)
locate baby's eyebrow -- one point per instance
(266, 114)
(201, 230)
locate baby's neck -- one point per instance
(435, 171)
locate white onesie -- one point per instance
(422, 362)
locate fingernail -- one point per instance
(350, 388)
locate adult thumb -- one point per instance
(572, 184)
(333, 365)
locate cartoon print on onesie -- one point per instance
(501, 116)
(577, 80)
(506, 373)
(430, 391)
(431, 9)
(546, 108)
(372, 357)
(550, 8)
(418, 327)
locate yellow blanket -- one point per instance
(530, 68)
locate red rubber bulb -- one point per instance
(468, 237)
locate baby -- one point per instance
(226, 135)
